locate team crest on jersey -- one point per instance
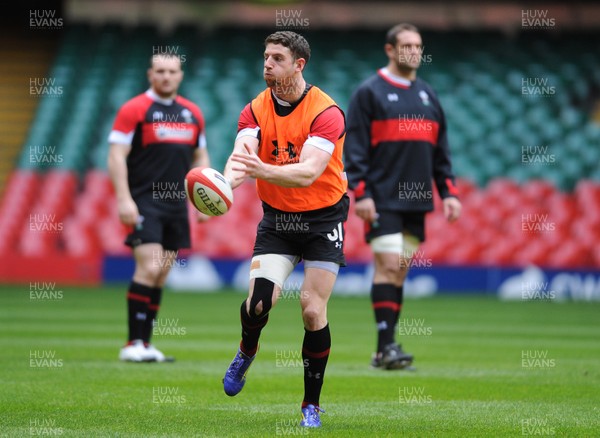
(424, 97)
(187, 115)
(392, 97)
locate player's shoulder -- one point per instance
(324, 95)
(367, 86)
(370, 82)
(261, 98)
(135, 107)
(191, 106)
(422, 84)
(426, 91)
(136, 102)
(183, 101)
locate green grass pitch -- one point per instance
(485, 368)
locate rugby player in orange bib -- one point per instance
(290, 139)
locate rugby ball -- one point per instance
(209, 191)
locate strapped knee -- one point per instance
(263, 291)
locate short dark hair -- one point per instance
(293, 41)
(391, 36)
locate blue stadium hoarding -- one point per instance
(196, 273)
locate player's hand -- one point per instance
(365, 209)
(452, 209)
(249, 163)
(128, 212)
(235, 179)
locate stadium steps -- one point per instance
(23, 56)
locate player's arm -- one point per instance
(248, 136)
(313, 162)
(356, 153)
(117, 170)
(316, 152)
(201, 157)
(233, 171)
(443, 175)
(120, 140)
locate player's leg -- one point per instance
(323, 253)
(165, 259)
(175, 235)
(413, 233)
(390, 269)
(318, 284)
(268, 272)
(387, 293)
(140, 293)
(270, 266)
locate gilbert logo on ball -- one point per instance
(209, 191)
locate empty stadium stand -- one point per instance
(525, 150)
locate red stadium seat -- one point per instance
(595, 257)
(535, 252)
(465, 187)
(501, 252)
(538, 189)
(465, 253)
(18, 198)
(498, 188)
(490, 230)
(435, 249)
(585, 233)
(587, 191)
(570, 255)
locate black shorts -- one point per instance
(170, 229)
(392, 222)
(314, 235)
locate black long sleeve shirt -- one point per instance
(396, 145)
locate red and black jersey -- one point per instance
(163, 135)
(396, 145)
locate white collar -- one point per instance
(156, 98)
(279, 101)
(392, 77)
